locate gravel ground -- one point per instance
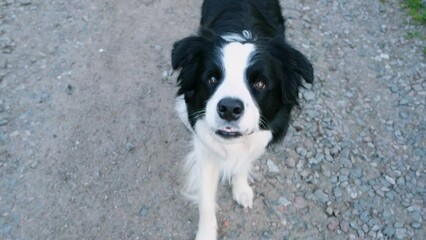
(90, 147)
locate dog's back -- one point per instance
(238, 15)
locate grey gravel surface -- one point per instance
(90, 147)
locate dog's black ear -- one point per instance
(187, 56)
(292, 59)
(186, 50)
(293, 66)
(303, 66)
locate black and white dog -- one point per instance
(238, 83)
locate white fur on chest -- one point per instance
(230, 158)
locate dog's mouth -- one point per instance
(228, 133)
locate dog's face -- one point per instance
(238, 87)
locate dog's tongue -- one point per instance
(229, 129)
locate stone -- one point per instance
(309, 96)
(320, 196)
(333, 224)
(290, 162)
(284, 201)
(344, 226)
(34, 164)
(272, 168)
(389, 231)
(365, 216)
(299, 202)
(301, 151)
(400, 233)
(416, 217)
(390, 180)
(129, 146)
(356, 173)
(25, 2)
(337, 192)
(143, 212)
(3, 122)
(70, 89)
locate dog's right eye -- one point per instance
(260, 85)
(213, 81)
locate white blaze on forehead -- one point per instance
(236, 58)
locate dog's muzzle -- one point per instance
(230, 110)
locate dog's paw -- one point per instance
(243, 195)
(206, 234)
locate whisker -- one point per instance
(198, 114)
(263, 122)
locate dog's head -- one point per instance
(238, 84)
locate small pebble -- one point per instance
(356, 172)
(365, 228)
(416, 217)
(297, 126)
(3, 122)
(34, 164)
(352, 192)
(354, 225)
(272, 167)
(70, 89)
(389, 231)
(399, 224)
(284, 201)
(337, 192)
(129, 147)
(299, 202)
(301, 151)
(143, 212)
(390, 180)
(266, 235)
(344, 225)
(333, 224)
(343, 178)
(290, 162)
(416, 225)
(24, 2)
(400, 233)
(321, 196)
(329, 211)
(365, 216)
(309, 96)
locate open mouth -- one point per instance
(228, 133)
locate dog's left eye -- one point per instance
(213, 80)
(260, 84)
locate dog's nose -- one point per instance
(230, 109)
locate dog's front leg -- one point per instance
(255, 146)
(209, 177)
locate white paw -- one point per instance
(206, 234)
(243, 194)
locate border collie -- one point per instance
(239, 80)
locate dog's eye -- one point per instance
(260, 84)
(213, 80)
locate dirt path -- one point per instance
(90, 146)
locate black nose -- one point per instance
(230, 109)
